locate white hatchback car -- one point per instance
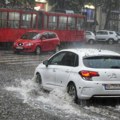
(90, 37)
(84, 73)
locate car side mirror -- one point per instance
(45, 63)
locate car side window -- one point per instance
(102, 33)
(70, 59)
(56, 60)
(51, 35)
(65, 59)
(99, 33)
(44, 36)
(105, 33)
(88, 33)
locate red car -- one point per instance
(37, 41)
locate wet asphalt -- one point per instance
(12, 108)
(14, 66)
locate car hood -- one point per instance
(23, 41)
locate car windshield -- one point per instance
(88, 33)
(31, 35)
(102, 62)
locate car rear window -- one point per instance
(112, 62)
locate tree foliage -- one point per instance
(75, 5)
(19, 3)
(107, 6)
(66, 4)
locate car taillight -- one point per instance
(85, 74)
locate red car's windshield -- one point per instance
(31, 35)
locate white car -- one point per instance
(118, 36)
(106, 36)
(90, 37)
(84, 73)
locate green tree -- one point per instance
(56, 4)
(2, 3)
(23, 3)
(108, 7)
(76, 5)
(66, 4)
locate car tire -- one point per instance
(91, 41)
(38, 50)
(38, 78)
(71, 90)
(57, 49)
(119, 41)
(110, 41)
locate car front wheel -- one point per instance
(110, 41)
(91, 41)
(38, 51)
(38, 78)
(119, 41)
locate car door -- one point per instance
(49, 72)
(45, 42)
(59, 69)
(68, 63)
(101, 35)
(53, 40)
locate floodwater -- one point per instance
(58, 103)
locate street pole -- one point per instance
(95, 16)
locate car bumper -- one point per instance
(97, 90)
(24, 49)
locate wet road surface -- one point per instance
(22, 99)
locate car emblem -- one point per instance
(113, 75)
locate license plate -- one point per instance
(19, 47)
(112, 86)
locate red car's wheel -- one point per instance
(38, 50)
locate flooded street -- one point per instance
(22, 99)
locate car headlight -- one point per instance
(29, 44)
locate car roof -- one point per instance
(40, 31)
(88, 31)
(92, 52)
(106, 30)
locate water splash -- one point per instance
(57, 102)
